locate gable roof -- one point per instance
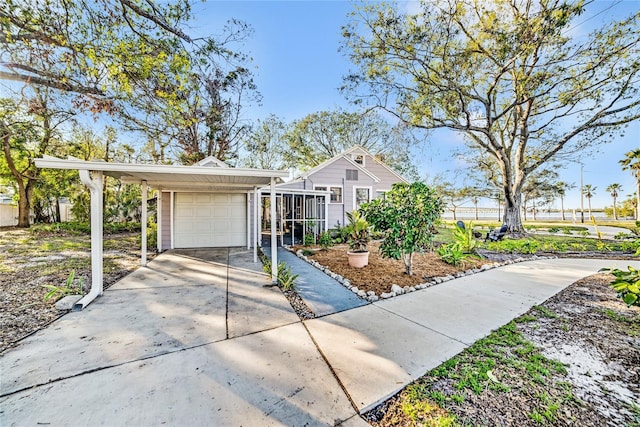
(211, 161)
(345, 155)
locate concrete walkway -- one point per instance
(322, 294)
(196, 339)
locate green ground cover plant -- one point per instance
(626, 284)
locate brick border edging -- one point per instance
(396, 290)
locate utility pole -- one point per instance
(581, 193)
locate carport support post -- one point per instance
(256, 230)
(274, 237)
(94, 183)
(143, 223)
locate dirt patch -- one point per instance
(381, 273)
(575, 362)
(28, 261)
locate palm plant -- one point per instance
(589, 191)
(614, 190)
(631, 162)
(561, 190)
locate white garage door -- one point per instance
(204, 220)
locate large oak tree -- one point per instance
(505, 73)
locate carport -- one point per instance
(211, 177)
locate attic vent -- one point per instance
(352, 174)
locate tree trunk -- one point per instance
(615, 211)
(58, 215)
(512, 207)
(562, 207)
(24, 203)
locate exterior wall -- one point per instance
(335, 175)
(166, 220)
(295, 185)
(387, 178)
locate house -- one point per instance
(320, 198)
(204, 205)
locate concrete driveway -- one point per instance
(193, 339)
(197, 339)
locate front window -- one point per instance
(362, 196)
(336, 192)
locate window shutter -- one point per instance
(352, 174)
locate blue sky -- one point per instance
(299, 68)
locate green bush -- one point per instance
(324, 240)
(464, 240)
(286, 278)
(584, 233)
(554, 230)
(451, 254)
(567, 230)
(309, 239)
(626, 284)
(522, 246)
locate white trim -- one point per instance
(274, 233)
(328, 190)
(144, 190)
(159, 220)
(172, 217)
(248, 220)
(256, 222)
(380, 191)
(355, 188)
(212, 160)
(94, 183)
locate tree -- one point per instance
(97, 50)
(452, 196)
(504, 74)
(540, 190)
(614, 190)
(323, 135)
(28, 130)
(406, 216)
(631, 162)
(266, 145)
(561, 189)
(589, 191)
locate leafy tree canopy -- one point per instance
(504, 73)
(322, 135)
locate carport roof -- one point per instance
(172, 177)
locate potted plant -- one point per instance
(357, 238)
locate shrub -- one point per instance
(309, 239)
(286, 278)
(464, 240)
(567, 230)
(584, 233)
(626, 284)
(324, 240)
(623, 235)
(523, 246)
(358, 235)
(406, 216)
(554, 230)
(452, 254)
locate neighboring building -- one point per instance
(347, 180)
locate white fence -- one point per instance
(8, 215)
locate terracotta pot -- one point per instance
(358, 259)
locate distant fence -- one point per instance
(492, 214)
(8, 215)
